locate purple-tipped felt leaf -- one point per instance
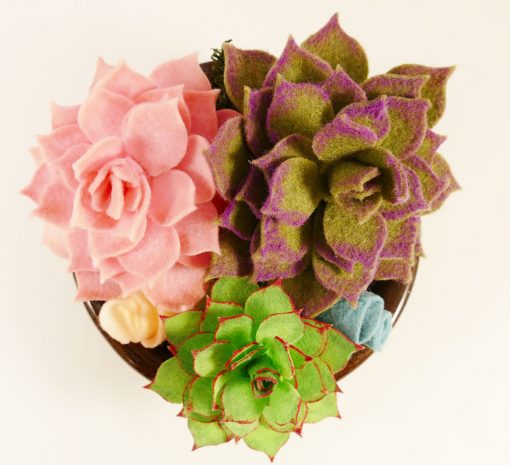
(254, 191)
(234, 259)
(430, 145)
(442, 169)
(408, 118)
(394, 84)
(401, 239)
(332, 44)
(393, 180)
(431, 184)
(434, 89)
(256, 104)
(342, 90)
(244, 68)
(238, 218)
(229, 158)
(372, 114)
(295, 190)
(297, 109)
(351, 240)
(297, 65)
(395, 269)
(294, 146)
(279, 250)
(414, 204)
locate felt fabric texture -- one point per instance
(327, 172)
(125, 189)
(251, 367)
(368, 324)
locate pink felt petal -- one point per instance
(185, 70)
(169, 93)
(54, 145)
(79, 257)
(102, 69)
(40, 181)
(65, 163)
(128, 283)
(63, 116)
(109, 268)
(155, 253)
(102, 114)
(96, 156)
(202, 106)
(224, 115)
(202, 260)
(56, 239)
(173, 197)
(55, 204)
(198, 231)
(89, 287)
(195, 165)
(178, 289)
(156, 136)
(37, 155)
(124, 81)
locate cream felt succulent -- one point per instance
(326, 172)
(250, 366)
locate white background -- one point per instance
(438, 394)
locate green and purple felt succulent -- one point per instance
(326, 171)
(251, 366)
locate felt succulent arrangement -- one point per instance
(242, 216)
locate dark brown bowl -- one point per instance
(147, 361)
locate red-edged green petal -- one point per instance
(236, 329)
(240, 429)
(229, 158)
(270, 300)
(244, 68)
(266, 440)
(408, 118)
(233, 261)
(287, 326)
(338, 350)
(206, 434)
(309, 382)
(394, 84)
(342, 90)
(171, 381)
(278, 352)
(256, 104)
(324, 408)
(297, 109)
(298, 65)
(434, 89)
(332, 44)
(210, 360)
(312, 342)
(199, 400)
(238, 401)
(195, 342)
(295, 190)
(283, 406)
(181, 326)
(233, 290)
(216, 310)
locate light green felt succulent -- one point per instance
(249, 366)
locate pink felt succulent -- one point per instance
(124, 188)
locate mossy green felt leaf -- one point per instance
(200, 398)
(195, 342)
(256, 104)
(239, 219)
(170, 381)
(233, 260)
(210, 360)
(283, 406)
(239, 403)
(244, 68)
(233, 289)
(266, 440)
(298, 65)
(312, 342)
(309, 382)
(216, 310)
(394, 84)
(332, 44)
(297, 109)
(267, 301)
(342, 90)
(236, 329)
(181, 326)
(434, 89)
(324, 408)
(295, 190)
(206, 434)
(337, 350)
(287, 326)
(229, 158)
